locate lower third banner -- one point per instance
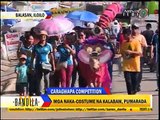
(79, 103)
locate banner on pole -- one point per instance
(12, 42)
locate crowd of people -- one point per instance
(54, 58)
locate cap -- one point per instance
(90, 25)
(43, 32)
(23, 56)
(135, 26)
(72, 31)
(125, 25)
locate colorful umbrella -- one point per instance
(55, 26)
(10, 22)
(9, 9)
(5, 28)
(24, 26)
(83, 16)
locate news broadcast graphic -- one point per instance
(26, 15)
(78, 100)
(71, 57)
(36, 15)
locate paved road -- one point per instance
(119, 87)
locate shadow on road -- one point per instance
(119, 92)
(144, 79)
(148, 91)
(8, 79)
(9, 92)
(4, 87)
(7, 74)
(119, 81)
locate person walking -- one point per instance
(44, 63)
(78, 47)
(22, 41)
(110, 46)
(120, 37)
(155, 54)
(27, 49)
(54, 78)
(148, 34)
(138, 36)
(65, 62)
(22, 80)
(131, 52)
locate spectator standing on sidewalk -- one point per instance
(131, 51)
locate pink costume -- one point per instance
(102, 74)
(109, 14)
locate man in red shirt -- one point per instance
(120, 37)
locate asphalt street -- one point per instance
(148, 86)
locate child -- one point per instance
(21, 70)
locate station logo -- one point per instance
(141, 13)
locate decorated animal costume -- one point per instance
(93, 62)
(109, 14)
(94, 55)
